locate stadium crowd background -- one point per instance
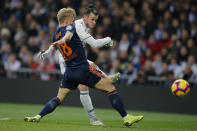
(153, 39)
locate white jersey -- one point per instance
(82, 30)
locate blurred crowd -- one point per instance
(153, 39)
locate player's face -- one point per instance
(91, 20)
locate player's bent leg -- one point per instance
(105, 85)
(113, 77)
(50, 106)
(87, 105)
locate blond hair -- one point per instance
(65, 13)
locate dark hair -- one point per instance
(90, 9)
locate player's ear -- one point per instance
(66, 21)
(85, 17)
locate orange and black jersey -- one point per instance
(72, 51)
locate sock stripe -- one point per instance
(91, 110)
(84, 93)
(113, 92)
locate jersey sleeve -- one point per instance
(53, 38)
(71, 28)
(82, 32)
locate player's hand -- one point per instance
(110, 41)
(41, 55)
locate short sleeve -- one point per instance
(71, 28)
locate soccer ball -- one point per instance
(180, 88)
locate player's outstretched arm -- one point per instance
(87, 38)
(97, 43)
(67, 37)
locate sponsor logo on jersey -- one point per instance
(69, 27)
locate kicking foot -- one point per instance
(132, 119)
(33, 119)
(96, 122)
(114, 77)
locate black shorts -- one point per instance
(82, 74)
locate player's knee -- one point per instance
(82, 87)
(62, 94)
(110, 88)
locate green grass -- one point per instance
(75, 119)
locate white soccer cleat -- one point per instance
(96, 122)
(114, 77)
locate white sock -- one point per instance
(126, 116)
(87, 104)
(39, 116)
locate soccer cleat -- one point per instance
(132, 119)
(96, 122)
(114, 77)
(36, 118)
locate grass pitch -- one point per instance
(75, 119)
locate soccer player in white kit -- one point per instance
(82, 26)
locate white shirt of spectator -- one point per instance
(12, 66)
